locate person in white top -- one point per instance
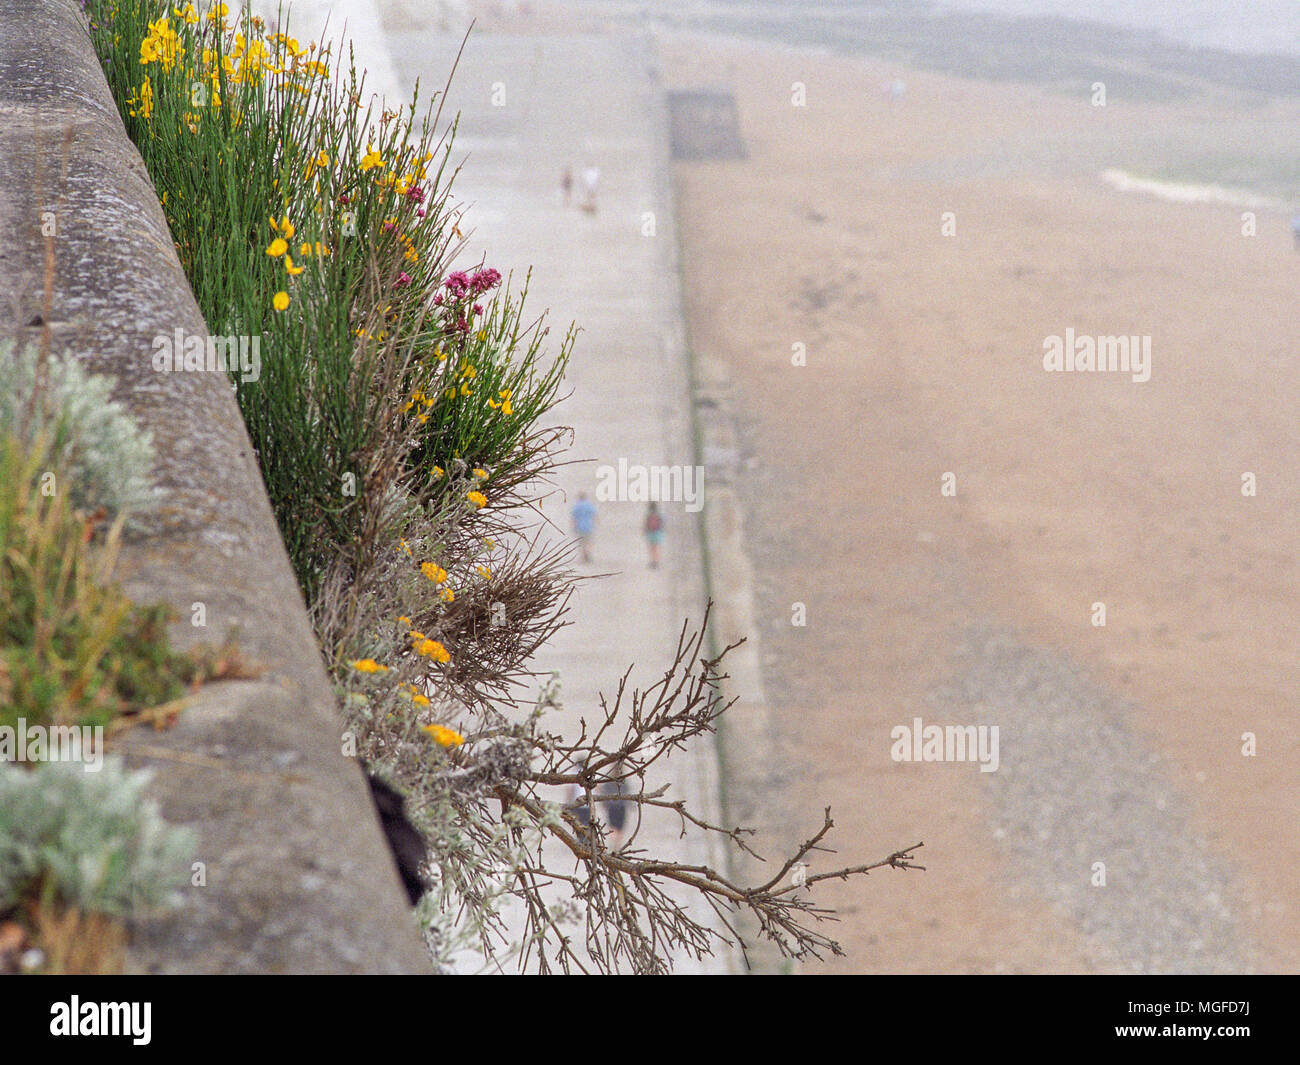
(590, 182)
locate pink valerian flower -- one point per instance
(416, 193)
(461, 284)
(437, 300)
(420, 212)
(388, 226)
(478, 308)
(484, 280)
(403, 279)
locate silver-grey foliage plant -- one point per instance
(92, 839)
(95, 446)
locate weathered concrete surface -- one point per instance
(298, 877)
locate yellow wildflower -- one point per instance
(284, 227)
(368, 665)
(292, 270)
(280, 301)
(289, 44)
(477, 498)
(277, 247)
(161, 45)
(371, 160)
(144, 103)
(448, 596)
(433, 571)
(432, 649)
(444, 736)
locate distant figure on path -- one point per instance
(590, 183)
(616, 806)
(584, 523)
(653, 528)
(1295, 230)
(566, 185)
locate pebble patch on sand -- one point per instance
(1076, 786)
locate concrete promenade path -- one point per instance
(531, 106)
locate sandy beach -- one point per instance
(1122, 744)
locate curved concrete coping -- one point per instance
(298, 876)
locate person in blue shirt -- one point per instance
(584, 523)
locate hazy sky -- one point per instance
(1239, 25)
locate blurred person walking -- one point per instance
(584, 523)
(590, 183)
(653, 527)
(616, 805)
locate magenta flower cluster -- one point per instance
(462, 286)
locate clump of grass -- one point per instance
(69, 942)
(73, 648)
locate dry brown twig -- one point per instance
(630, 903)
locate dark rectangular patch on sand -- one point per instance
(704, 126)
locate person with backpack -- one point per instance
(654, 532)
